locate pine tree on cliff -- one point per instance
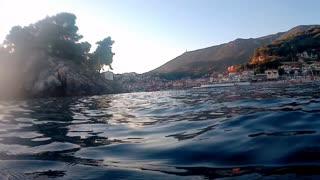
(103, 54)
(47, 58)
(57, 36)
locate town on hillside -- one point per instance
(307, 68)
(292, 56)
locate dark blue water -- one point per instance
(253, 132)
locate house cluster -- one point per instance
(305, 55)
(301, 68)
(270, 74)
(133, 82)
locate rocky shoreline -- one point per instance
(57, 77)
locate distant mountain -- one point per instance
(215, 58)
(289, 47)
(218, 58)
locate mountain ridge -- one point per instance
(218, 57)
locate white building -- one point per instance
(272, 74)
(315, 66)
(289, 66)
(247, 74)
(305, 55)
(108, 75)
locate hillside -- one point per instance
(215, 58)
(289, 47)
(218, 58)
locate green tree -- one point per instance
(103, 55)
(56, 35)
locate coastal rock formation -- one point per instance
(55, 77)
(48, 59)
(63, 78)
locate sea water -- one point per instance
(246, 132)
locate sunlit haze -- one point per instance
(148, 33)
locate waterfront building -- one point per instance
(272, 74)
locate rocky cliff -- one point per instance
(63, 78)
(55, 77)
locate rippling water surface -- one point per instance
(238, 132)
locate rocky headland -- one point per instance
(46, 59)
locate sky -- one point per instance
(149, 33)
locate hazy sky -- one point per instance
(148, 33)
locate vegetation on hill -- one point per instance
(287, 48)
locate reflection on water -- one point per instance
(243, 132)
